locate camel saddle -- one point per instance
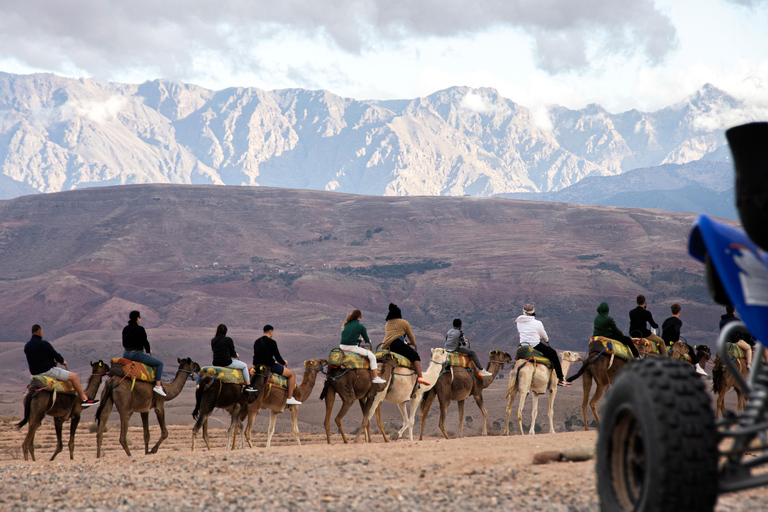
(401, 360)
(654, 345)
(734, 351)
(274, 379)
(613, 347)
(529, 353)
(458, 360)
(41, 383)
(222, 373)
(349, 360)
(121, 367)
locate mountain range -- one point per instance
(58, 134)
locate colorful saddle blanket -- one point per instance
(350, 360)
(527, 352)
(274, 379)
(458, 359)
(734, 351)
(401, 360)
(226, 375)
(132, 369)
(613, 347)
(655, 349)
(51, 384)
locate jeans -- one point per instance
(141, 357)
(240, 365)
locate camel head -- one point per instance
(497, 356)
(259, 377)
(439, 356)
(314, 364)
(570, 356)
(99, 367)
(189, 366)
(702, 352)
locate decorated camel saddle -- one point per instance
(348, 360)
(613, 347)
(459, 360)
(401, 360)
(121, 367)
(274, 379)
(225, 375)
(41, 383)
(655, 348)
(529, 353)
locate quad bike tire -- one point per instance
(657, 446)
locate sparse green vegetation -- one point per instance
(395, 270)
(218, 279)
(588, 256)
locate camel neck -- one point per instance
(304, 389)
(93, 386)
(173, 388)
(494, 368)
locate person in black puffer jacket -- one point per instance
(224, 355)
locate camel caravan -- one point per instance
(392, 373)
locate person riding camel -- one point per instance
(532, 334)
(395, 331)
(639, 318)
(135, 343)
(738, 338)
(605, 326)
(265, 353)
(42, 359)
(352, 331)
(224, 355)
(456, 342)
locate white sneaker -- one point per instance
(292, 401)
(378, 380)
(158, 390)
(485, 373)
(701, 371)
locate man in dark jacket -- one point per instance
(265, 353)
(639, 318)
(670, 328)
(135, 342)
(42, 359)
(606, 327)
(224, 354)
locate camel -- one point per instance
(698, 355)
(645, 348)
(401, 390)
(457, 385)
(274, 399)
(213, 394)
(141, 399)
(353, 385)
(536, 378)
(602, 368)
(61, 407)
(722, 381)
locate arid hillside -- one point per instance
(190, 257)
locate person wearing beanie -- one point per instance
(456, 342)
(135, 344)
(395, 331)
(606, 327)
(532, 334)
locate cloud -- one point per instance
(168, 38)
(477, 103)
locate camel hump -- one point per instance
(131, 369)
(348, 359)
(224, 374)
(529, 353)
(40, 382)
(401, 360)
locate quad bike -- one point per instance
(659, 447)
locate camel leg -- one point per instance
(461, 418)
(160, 414)
(345, 405)
(29, 442)
(480, 404)
(380, 424)
(551, 412)
(593, 403)
(720, 403)
(534, 412)
(586, 379)
(125, 417)
(74, 422)
(271, 430)
(58, 423)
(425, 411)
(145, 426)
(403, 406)
(415, 403)
(105, 412)
(295, 422)
(365, 406)
(741, 400)
(443, 410)
(512, 393)
(329, 399)
(249, 426)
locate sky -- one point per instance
(621, 54)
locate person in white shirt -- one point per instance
(532, 333)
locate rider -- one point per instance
(395, 331)
(532, 334)
(351, 332)
(638, 320)
(135, 343)
(738, 338)
(670, 328)
(265, 353)
(42, 359)
(606, 327)
(224, 355)
(455, 342)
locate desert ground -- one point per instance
(475, 472)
